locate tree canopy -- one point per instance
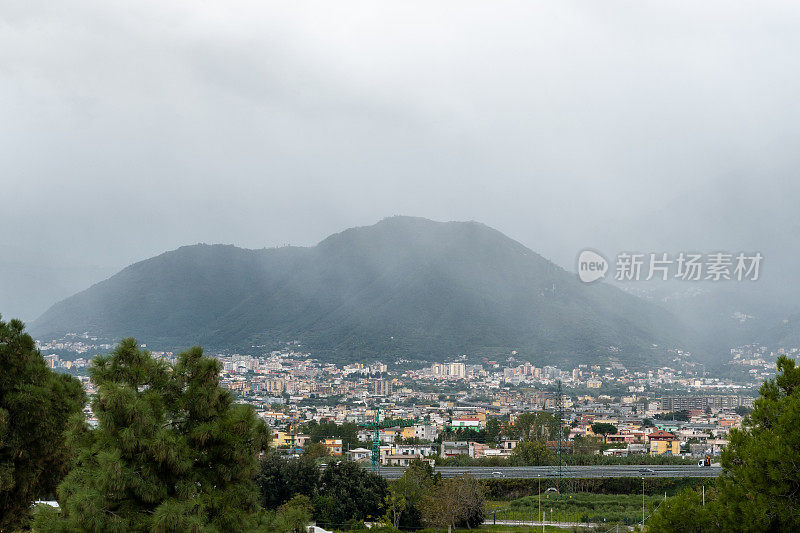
(35, 407)
(280, 479)
(348, 432)
(171, 450)
(455, 502)
(604, 429)
(531, 453)
(407, 495)
(759, 488)
(539, 425)
(349, 492)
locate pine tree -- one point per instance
(759, 488)
(35, 406)
(171, 450)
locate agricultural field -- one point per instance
(576, 507)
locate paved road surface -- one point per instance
(567, 525)
(527, 472)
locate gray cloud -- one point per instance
(132, 128)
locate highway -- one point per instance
(528, 472)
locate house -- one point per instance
(717, 445)
(452, 449)
(692, 434)
(477, 449)
(420, 450)
(390, 435)
(293, 441)
(404, 454)
(497, 452)
(508, 444)
(616, 452)
(466, 423)
(668, 425)
(627, 437)
(663, 443)
(359, 454)
(426, 432)
(637, 449)
(334, 446)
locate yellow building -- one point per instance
(334, 446)
(292, 440)
(382, 387)
(664, 443)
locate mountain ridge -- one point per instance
(405, 287)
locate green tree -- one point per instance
(406, 495)
(532, 453)
(759, 488)
(280, 479)
(493, 429)
(291, 517)
(760, 483)
(171, 450)
(604, 429)
(294, 515)
(540, 425)
(582, 445)
(349, 492)
(455, 502)
(348, 432)
(396, 504)
(35, 407)
(315, 450)
(685, 513)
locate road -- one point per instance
(527, 472)
(565, 525)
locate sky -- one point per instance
(128, 129)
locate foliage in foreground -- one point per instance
(171, 451)
(344, 492)
(349, 492)
(420, 498)
(35, 406)
(759, 488)
(455, 502)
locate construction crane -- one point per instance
(376, 425)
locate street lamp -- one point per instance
(642, 502)
(539, 480)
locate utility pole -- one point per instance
(540, 500)
(642, 502)
(559, 417)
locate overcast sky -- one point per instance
(131, 128)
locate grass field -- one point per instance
(576, 507)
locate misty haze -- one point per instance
(458, 227)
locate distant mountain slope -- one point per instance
(30, 281)
(405, 287)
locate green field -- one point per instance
(576, 507)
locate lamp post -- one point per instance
(539, 480)
(642, 502)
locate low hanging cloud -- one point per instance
(132, 128)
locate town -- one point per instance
(464, 412)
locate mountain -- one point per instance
(735, 213)
(404, 287)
